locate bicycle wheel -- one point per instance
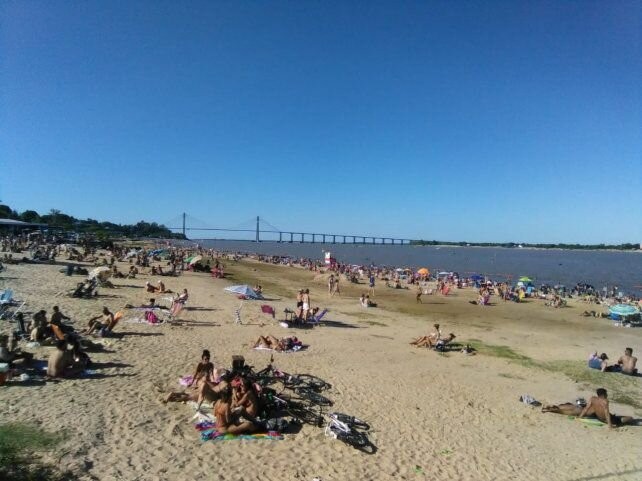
(357, 440)
(351, 421)
(313, 382)
(313, 396)
(305, 414)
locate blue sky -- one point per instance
(488, 121)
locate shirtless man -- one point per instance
(107, 320)
(627, 362)
(331, 285)
(598, 406)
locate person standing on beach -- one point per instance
(331, 285)
(372, 283)
(306, 304)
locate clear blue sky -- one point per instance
(489, 121)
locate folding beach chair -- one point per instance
(317, 319)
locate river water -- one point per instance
(551, 266)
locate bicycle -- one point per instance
(277, 404)
(345, 428)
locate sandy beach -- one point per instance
(433, 415)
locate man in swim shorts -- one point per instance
(598, 406)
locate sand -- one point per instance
(454, 416)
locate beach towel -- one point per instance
(265, 309)
(209, 433)
(215, 436)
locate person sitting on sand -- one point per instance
(225, 420)
(80, 359)
(150, 288)
(105, 322)
(429, 341)
(38, 327)
(598, 362)
(627, 362)
(433, 337)
(204, 369)
(9, 351)
(598, 406)
(162, 289)
(132, 272)
(61, 363)
(244, 400)
(56, 320)
(204, 382)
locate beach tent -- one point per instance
(244, 290)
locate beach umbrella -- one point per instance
(444, 273)
(525, 279)
(194, 260)
(102, 272)
(423, 271)
(244, 290)
(477, 277)
(623, 310)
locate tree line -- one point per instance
(58, 220)
(621, 247)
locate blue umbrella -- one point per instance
(244, 290)
(477, 277)
(623, 310)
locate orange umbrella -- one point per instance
(423, 271)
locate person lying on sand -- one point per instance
(597, 406)
(271, 342)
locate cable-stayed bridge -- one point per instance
(258, 229)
